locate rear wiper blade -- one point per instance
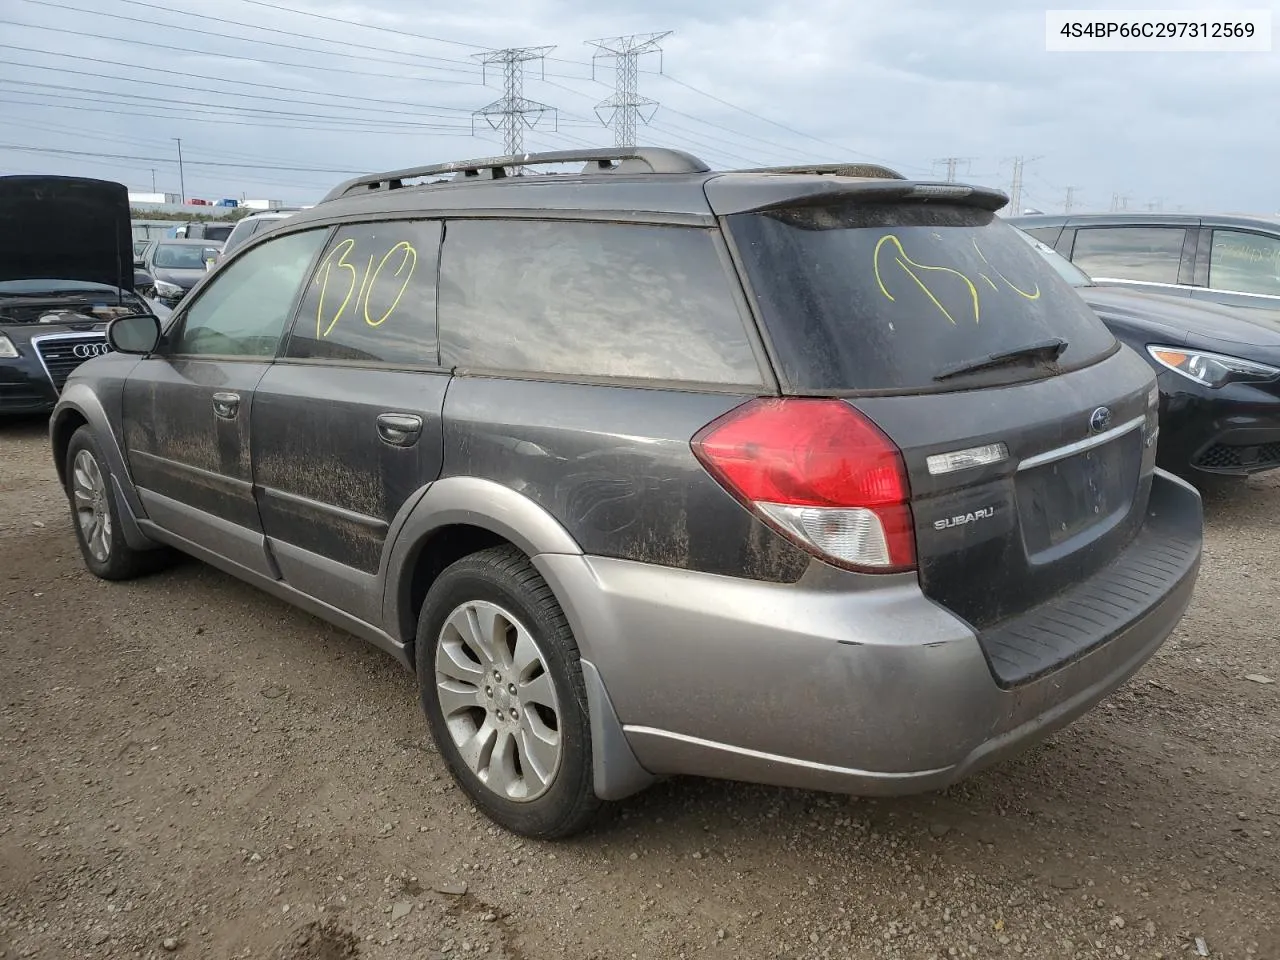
(1045, 351)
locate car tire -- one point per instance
(500, 679)
(95, 515)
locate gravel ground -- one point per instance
(192, 768)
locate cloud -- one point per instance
(289, 104)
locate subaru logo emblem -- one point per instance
(1099, 420)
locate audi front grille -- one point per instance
(62, 353)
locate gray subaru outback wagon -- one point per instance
(812, 476)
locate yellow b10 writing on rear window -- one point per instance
(949, 289)
(375, 277)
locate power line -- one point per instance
(218, 110)
(392, 31)
(626, 105)
(78, 134)
(154, 45)
(266, 43)
(367, 26)
(668, 110)
(782, 126)
(513, 109)
(365, 118)
(420, 107)
(21, 148)
(181, 115)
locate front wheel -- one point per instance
(96, 516)
(500, 680)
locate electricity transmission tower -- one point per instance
(1070, 201)
(626, 104)
(512, 111)
(1015, 193)
(951, 164)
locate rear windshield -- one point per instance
(891, 296)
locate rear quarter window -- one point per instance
(593, 299)
(887, 297)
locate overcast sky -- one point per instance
(273, 103)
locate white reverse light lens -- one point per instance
(852, 534)
(941, 463)
(1210, 369)
(7, 349)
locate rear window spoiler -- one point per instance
(734, 194)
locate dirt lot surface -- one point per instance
(190, 768)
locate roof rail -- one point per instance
(620, 160)
(872, 170)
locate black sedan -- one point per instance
(1218, 368)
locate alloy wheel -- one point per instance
(89, 491)
(498, 701)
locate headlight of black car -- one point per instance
(1210, 369)
(7, 350)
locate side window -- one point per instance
(242, 232)
(595, 299)
(243, 312)
(1152, 254)
(1046, 235)
(373, 296)
(1246, 262)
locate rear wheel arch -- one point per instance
(456, 517)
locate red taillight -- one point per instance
(821, 473)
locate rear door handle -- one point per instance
(226, 405)
(399, 429)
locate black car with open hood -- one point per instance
(66, 268)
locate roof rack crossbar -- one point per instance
(654, 159)
(852, 169)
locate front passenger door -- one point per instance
(186, 407)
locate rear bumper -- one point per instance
(838, 682)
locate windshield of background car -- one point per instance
(887, 297)
(1067, 270)
(183, 256)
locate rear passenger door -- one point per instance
(1154, 256)
(1243, 268)
(347, 430)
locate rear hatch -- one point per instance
(1027, 432)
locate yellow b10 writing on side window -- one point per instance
(362, 279)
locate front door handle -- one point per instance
(226, 405)
(399, 429)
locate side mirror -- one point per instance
(136, 333)
(139, 264)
